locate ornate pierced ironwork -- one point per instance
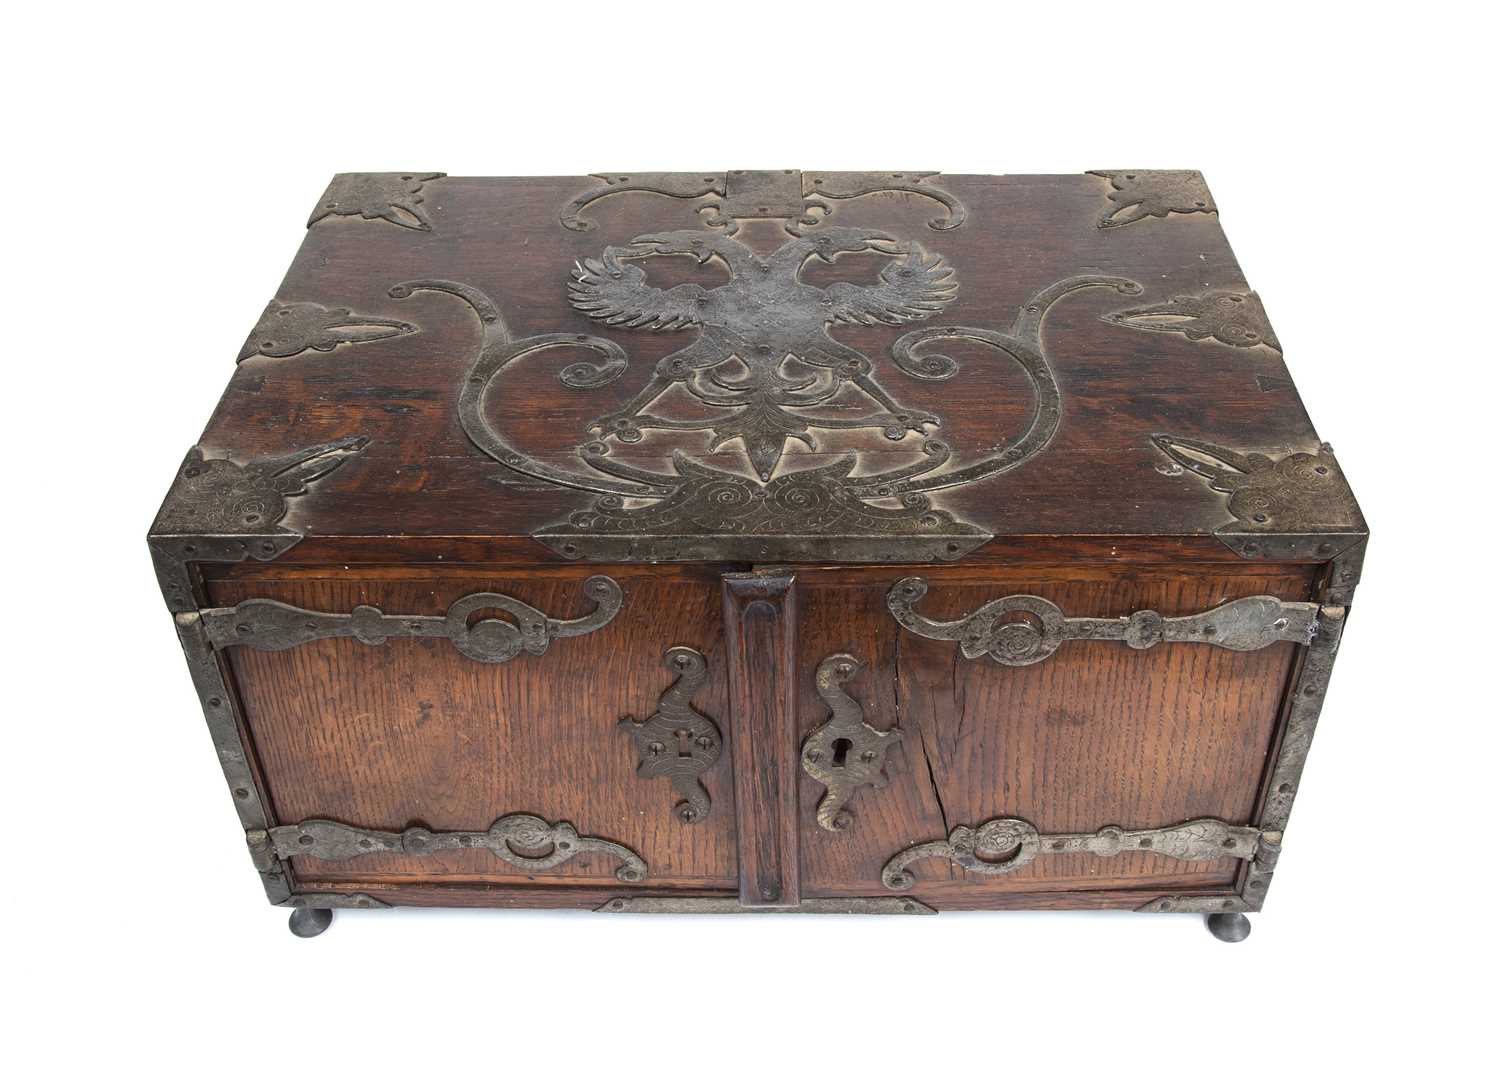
(677, 742)
(272, 625)
(1007, 844)
(1021, 629)
(766, 319)
(845, 753)
(1233, 317)
(799, 199)
(393, 196)
(1296, 506)
(288, 328)
(520, 839)
(701, 511)
(1138, 194)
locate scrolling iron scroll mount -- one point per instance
(272, 625)
(528, 842)
(1022, 629)
(1007, 844)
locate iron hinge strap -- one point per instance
(520, 839)
(273, 626)
(1006, 844)
(1024, 629)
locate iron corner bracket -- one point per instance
(223, 510)
(173, 557)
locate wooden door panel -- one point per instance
(1097, 734)
(411, 732)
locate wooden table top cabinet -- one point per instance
(876, 542)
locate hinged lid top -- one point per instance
(763, 365)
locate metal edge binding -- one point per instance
(1196, 904)
(1308, 690)
(1344, 572)
(1305, 706)
(686, 904)
(218, 703)
(333, 900)
(173, 556)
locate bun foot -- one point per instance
(308, 923)
(1231, 928)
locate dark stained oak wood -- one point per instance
(1119, 386)
(412, 732)
(760, 627)
(1098, 734)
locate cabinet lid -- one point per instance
(765, 366)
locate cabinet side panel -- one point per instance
(1097, 734)
(412, 732)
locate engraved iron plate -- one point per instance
(677, 742)
(845, 753)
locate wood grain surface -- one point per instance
(760, 629)
(1098, 734)
(421, 478)
(413, 732)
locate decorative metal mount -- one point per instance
(393, 196)
(1007, 844)
(288, 328)
(817, 514)
(223, 511)
(677, 742)
(1139, 194)
(1021, 629)
(1296, 507)
(845, 753)
(528, 842)
(334, 900)
(1236, 318)
(760, 317)
(800, 199)
(700, 904)
(272, 625)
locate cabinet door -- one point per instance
(411, 732)
(1096, 736)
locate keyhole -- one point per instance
(684, 743)
(841, 747)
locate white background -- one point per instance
(162, 162)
